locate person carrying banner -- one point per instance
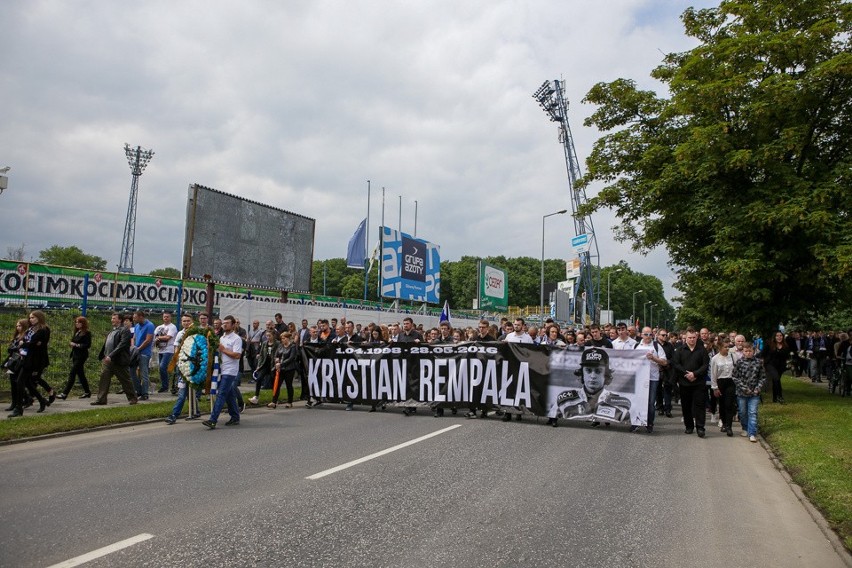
(482, 334)
(285, 369)
(657, 355)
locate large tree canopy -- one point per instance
(743, 171)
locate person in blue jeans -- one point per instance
(749, 378)
(143, 342)
(183, 388)
(230, 351)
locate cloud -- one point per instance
(298, 104)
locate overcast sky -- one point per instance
(298, 104)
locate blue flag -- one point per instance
(357, 247)
(445, 313)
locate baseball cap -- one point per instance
(594, 356)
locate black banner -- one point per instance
(464, 374)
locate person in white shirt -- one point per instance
(657, 355)
(164, 337)
(623, 340)
(518, 335)
(230, 350)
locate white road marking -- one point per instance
(89, 556)
(379, 454)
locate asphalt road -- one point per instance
(485, 493)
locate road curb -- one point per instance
(815, 513)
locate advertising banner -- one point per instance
(493, 288)
(411, 268)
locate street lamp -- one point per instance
(633, 314)
(644, 311)
(608, 275)
(543, 217)
(651, 319)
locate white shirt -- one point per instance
(659, 352)
(516, 337)
(628, 343)
(171, 331)
(228, 365)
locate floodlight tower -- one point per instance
(137, 158)
(551, 98)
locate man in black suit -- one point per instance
(115, 361)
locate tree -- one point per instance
(71, 256)
(16, 253)
(743, 173)
(167, 272)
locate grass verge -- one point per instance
(32, 424)
(812, 436)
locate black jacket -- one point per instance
(81, 353)
(36, 359)
(695, 360)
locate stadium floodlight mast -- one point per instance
(137, 159)
(543, 217)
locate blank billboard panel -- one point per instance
(233, 240)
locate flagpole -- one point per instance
(415, 218)
(381, 249)
(399, 225)
(367, 241)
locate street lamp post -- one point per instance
(644, 311)
(543, 217)
(608, 275)
(633, 311)
(651, 319)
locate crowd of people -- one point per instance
(720, 374)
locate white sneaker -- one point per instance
(752, 439)
(715, 417)
(744, 434)
(720, 423)
(253, 400)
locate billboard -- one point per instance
(493, 287)
(411, 268)
(233, 240)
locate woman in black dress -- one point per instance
(775, 361)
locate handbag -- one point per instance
(13, 363)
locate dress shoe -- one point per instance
(701, 432)
(668, 414)
(97, 403)
(11, 408)
(51, 397)
(16, 412)
(133, 401)
(142, 397)
(41, 406)
(86, 395)
(688, 431)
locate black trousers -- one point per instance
(77, 370)
(25, 382)
(727, 401)
(692, 404)
(775, 378)
(286, 377)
